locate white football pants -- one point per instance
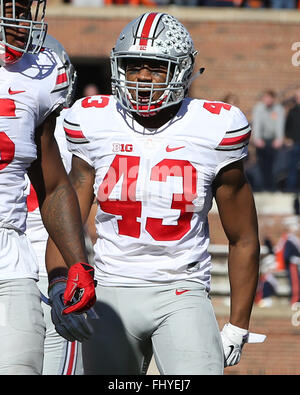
(22, 328)
(176, 322)
(61, 357)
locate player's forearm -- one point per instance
(61, 216)
(243, 265)
(55, 265)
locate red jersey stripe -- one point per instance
(61, 78)
(77, 134)
(235, 140)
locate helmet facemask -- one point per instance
(25, 25)
(178, 56)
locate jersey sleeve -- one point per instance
(77, 142)
(62, 142)
(53, 94)
(234, 144)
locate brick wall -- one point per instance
(270, 226)
(278, 355)
(243, 51)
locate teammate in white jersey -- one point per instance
(33, 87)
(61, 357)
(155, 159)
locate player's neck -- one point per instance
(158, 120)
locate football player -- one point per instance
(155, 159)
(33, 88)
(61, 356)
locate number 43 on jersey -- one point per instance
(123, 175)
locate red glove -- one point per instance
(79, 294)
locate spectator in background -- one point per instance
(292, 141)
(147, 3)
(87, 3)
(224, 3)
(252, 169)
(231, 98)
(268, 133)
(188, 3)
(288, 247)
(292, 262)
(255, 3)
(267, 282)
(283, 4)
(90, 90)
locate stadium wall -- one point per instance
(244, 51)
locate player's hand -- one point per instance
(70, 326)
(79, 295)
(233, 339)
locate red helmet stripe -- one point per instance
(147, 27)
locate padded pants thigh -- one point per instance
(188, 341)
(112, 349)
(22, 328)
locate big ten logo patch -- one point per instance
(118, 147)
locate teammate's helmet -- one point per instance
(156, 36)
(56, 46)
(32, 23)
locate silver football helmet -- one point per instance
(31, 22)
(56, 46)
(154, 36)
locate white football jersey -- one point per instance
(30, 90)
(154, 187)
(35, 229)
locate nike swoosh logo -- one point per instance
(181, 292)
(75, 284)
(73, 289)
(14, 92)
(76, 278)
(169, 149)
(231, 350)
